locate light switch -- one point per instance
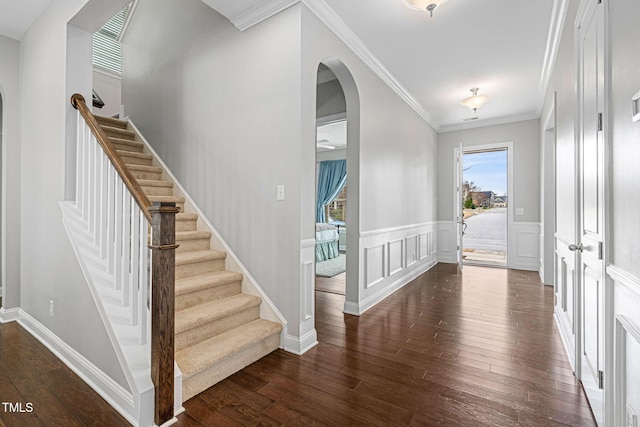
(519, 211)
(280, 192)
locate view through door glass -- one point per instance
(485, 207)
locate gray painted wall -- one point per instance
(562, 83)
(224, 109)
(525, 136)
(49, 269)
(10, 181)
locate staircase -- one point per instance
(218, 329)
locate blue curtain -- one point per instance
(332, 176)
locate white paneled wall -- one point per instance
(626, 369)
(524, 244)
(391, 258)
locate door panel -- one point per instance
(591, 205)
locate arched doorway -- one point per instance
(340, 111)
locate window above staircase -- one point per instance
(107, 51)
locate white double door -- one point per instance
(580, 281)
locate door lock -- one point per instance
(577, 247)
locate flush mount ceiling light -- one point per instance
(428, 5)
(475, 101)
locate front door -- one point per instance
(590, 212)
(459, 200)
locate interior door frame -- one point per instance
(497, 146)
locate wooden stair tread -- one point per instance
(210, 311)
(207, 280)
(199, 357)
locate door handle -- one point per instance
(574, 247)
(464, 227)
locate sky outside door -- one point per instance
(485, 195)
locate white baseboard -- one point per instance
(300, 345)
(9, 315)
(119, 398)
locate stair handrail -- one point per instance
(161, 217)
(129, 180)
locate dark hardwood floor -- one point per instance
(43, 391)
(477, 348)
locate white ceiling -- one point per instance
(332, 135)
(498, 46)
(17, 15)
(504, 47)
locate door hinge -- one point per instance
(600, 379)
(600, 250)
(599, 122)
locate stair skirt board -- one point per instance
(220, 329)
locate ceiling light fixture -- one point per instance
(428, 5)
(475, 101)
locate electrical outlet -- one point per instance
(519, 211)
(632, 420)
(51, 307)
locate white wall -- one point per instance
(48, 267)
(108, 87)
(524, 230)
(10, 169)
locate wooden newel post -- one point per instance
(163, 306)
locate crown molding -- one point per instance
(558, 17)
(260, 12)
(331, 19)
(488, 122)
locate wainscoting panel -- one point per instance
(564, 310)
(411, 250)
(423, 243)
(373, 265)
(626, 370)
(395, 251)
(390, 259)
(447, 241)
(524, 246)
